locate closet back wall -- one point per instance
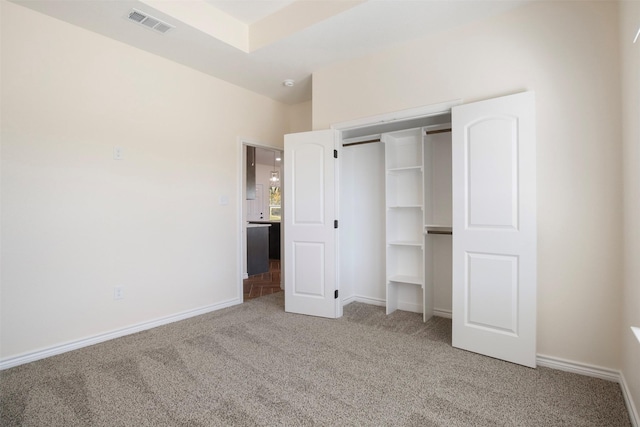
(75, 222)
(567, 52)
(362, 215)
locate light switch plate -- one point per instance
(117, 153)
(118, 292)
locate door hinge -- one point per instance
(336, 294)
(335, 223)
(335, 154)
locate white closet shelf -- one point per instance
(406, 169)
(405, 243)
(405, 207)
(400, 278)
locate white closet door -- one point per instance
(494, 228)
(310, 263)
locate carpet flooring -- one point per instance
(255, 365)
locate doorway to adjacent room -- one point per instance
(260, 205)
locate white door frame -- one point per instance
(377, 122)
(398, 116)
(242, 238)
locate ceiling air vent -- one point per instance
(149, 21)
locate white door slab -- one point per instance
(310, 262)
(494, 228)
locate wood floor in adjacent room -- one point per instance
(263, 284)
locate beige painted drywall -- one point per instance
(567, 52)
(293, 18)
(206, 18)
(629, 25)
(300, 118)
(75, 222)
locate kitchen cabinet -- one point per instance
(257, 249)
(274, 237)
(274, 240)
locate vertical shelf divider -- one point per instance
(405, 216)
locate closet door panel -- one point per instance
(310, 264)
(492, 278)
(491, 170)
(309, 175)
(494, 228)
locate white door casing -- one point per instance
(494, 228)
(310, 250)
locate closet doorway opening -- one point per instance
(261, 206)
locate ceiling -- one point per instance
(259, 44)
(249, 11)
(268, 157)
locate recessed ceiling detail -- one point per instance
(290, 39)
(149, 21)
(249, 11)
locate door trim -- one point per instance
(242, 238)
(362, 124)
(410, 113)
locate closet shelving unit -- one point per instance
(404, 170)
(418, 211)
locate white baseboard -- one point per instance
(631, 407)
(439, 312)
(596, 372)
(578, 368)
(415, 308)
(367, 300)
(348, 300)
(85, 342)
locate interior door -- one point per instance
(494, 228)
(310, 261)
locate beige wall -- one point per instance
(630, 22)
(567, 52)
(75, 222)
(299, 117)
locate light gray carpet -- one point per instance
(254, 364)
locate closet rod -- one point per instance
(369, 141)
(361, 142)
(431, 132)
(440, 232)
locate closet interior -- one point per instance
(417, 204)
